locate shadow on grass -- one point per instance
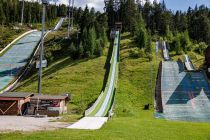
(126, 36)
(107, 70)
(107, 65)
(54, 68)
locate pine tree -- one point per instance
(91, 44)
(80, 51)
(104, 37)
(85, 42)
(2, 15)
(72, 50)
(177, 45)
(98, 50)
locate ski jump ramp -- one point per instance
(59, 24)
(188, 64)
(15, 57)
(185, 95)
(100, 111)
(165, 52)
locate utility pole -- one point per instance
(23, 6)
(151, 87)
(44, 2)
(69, 26)
(72, 16)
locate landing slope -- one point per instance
(185, 95)
(16, 58)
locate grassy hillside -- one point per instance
(75, 77)
(130, 122)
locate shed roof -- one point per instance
(51, 97)
(16, 95)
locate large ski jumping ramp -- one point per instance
(99, 112)
(185, 95)
(13, 60)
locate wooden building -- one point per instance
(15, 103)
(48, 105)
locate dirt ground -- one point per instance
(19, 123)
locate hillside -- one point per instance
(130, 120)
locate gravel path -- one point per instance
(19, 123)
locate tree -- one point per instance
(2, 15)
(73, 50)
(80, 51)
(104, 38)
(169, 34)
(142, 38)
(98, 50)
(177, 44)
(85, 42)
(91, 41)
(185, 41)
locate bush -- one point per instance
(137, 53)
(98, 50)
(134, 54)
(200, 48)
(142, 38)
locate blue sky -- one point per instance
(184, 4)
(171, 4)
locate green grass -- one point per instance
(197, 59)
(75, 77)
(130, 121)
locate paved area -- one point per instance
(14, 59)
(185, 95)
(91, 123)
(19, 123)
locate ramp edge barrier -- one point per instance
(13, 84)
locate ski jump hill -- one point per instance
(182, 93)
(18, 57)
(101, 110)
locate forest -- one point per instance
(184, 30)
